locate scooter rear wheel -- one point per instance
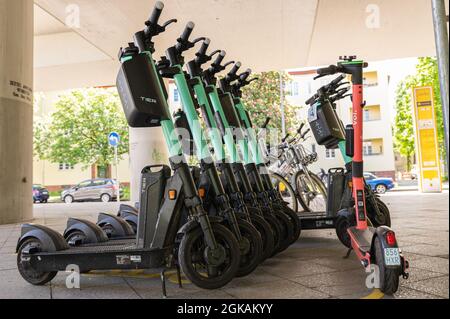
(343, 223)
(192, 258)
(27, 272)
(389, 277)
(277, 230)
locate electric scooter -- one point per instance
(372, 245)
(229, 165)
(248, 237)
(256, 168)
(208, 252)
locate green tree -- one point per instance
(262, 99)
(78, 130)
(427, 74)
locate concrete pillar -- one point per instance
(16, 111)
(147, 147)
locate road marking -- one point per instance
(375, 294)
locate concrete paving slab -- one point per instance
(14, 287)
(407, 293)
(282, 289)
(332, 279)
(436, 286)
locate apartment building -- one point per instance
(378, 140)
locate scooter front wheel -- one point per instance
(287, 229)
(253, 246)
(389, 277)
(205, 268)
(267, 234)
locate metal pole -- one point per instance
(441, 36)
(116, 161)
(283, 115)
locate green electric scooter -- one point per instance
(250, 241)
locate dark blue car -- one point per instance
(380, 185)
(40, 194)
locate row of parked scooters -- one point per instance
(213, 222)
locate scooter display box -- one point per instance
(336, 187)
(325, 125)
(140, 91)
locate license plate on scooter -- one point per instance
(392, 257)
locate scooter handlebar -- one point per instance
(156, 13)
(204, 47)
(220, 58)
(187, 32)
(266, 123)
(234, 70)
(332, 69)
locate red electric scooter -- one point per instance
(373, 246)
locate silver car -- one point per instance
(103, 189)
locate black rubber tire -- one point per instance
(295, 222)
(193, 244)
(342, 224)
(133, 225)
(30, 275)
(289, 188)
(389, 277)
(266, 232)
(287, 229)
(384, 219)
(277, 230)
(250, 261)
(319, 183)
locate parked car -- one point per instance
(379, 184)
(40, 194)
(104, 189)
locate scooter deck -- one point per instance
(363, 238)
(316, 220)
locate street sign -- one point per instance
(114, 139)
(426, 140)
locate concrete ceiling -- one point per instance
(263, 34)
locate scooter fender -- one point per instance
(127, 208)
(130, 217)
(380, 232)
(94, 234)
(191, 225)
(120, 226)
(51, 240)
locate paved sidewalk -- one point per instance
(314, 267)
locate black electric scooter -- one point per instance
(208, 252)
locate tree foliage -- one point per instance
(262, 99)
(77, 132)
(427, 74)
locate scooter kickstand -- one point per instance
(180, 283)
(163, 283)
(348, 253)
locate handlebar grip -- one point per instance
(301, 128)
(332, 69)
(235, 70)
(244, 76)
(311, 100)
(187, 32)
(306, 133)
(285, 138)
(220, 58)
(337, 80)
(266, 122)
(204, 47)
(154, 17)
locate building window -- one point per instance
(368, 148)
(366, 115)
(313, 148)
(176, 95)
(330, 154)
(66, 167)
(294, 89)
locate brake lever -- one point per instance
(198, 40)
(165, 25)
(228, 64)
(214, 53)
(319, 76)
